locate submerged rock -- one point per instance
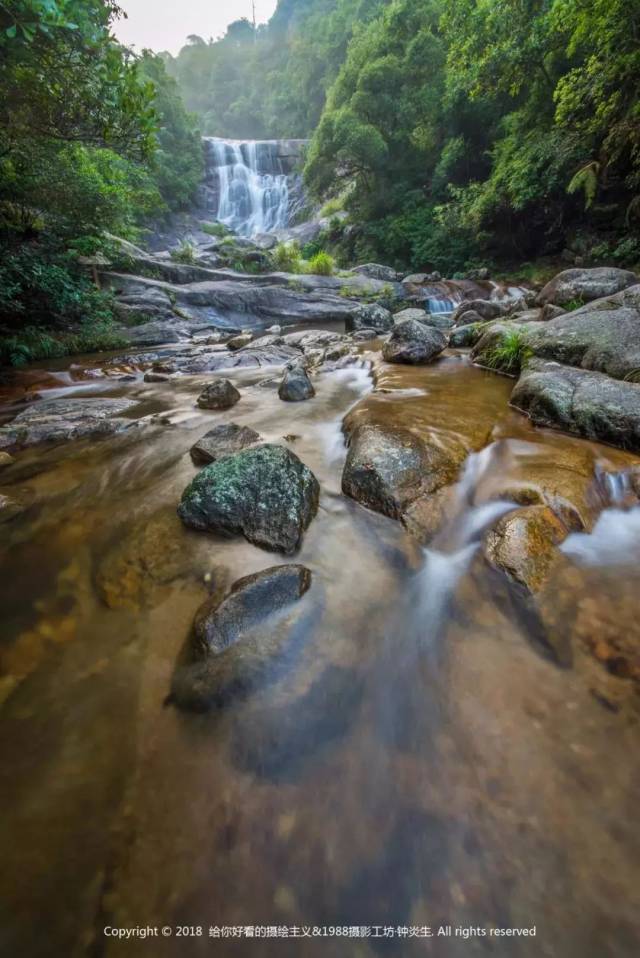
(5, 459)
(222, 440)
(10, 508)
(220, 394)
(388, 469)
(369, 316)
(586, 285)
(219, 624)
(296, 385)
(57, 420)
(238, 639)
(264, 493)
(524, 545)
(414, 343)
(588, 404)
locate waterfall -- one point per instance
(252, 186)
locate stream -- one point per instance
(418, 757)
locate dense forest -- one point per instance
(93, 142)
(454, 132)
(444, 134)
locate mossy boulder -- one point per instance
(264, 493)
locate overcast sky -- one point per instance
(165, 24)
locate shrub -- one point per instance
(215, 229)
(34, 343)
(185, 253)
(510, 354)
(286, 257)
(322, 264)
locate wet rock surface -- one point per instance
(296, 385)
(219, 624)
(220, 394)
(222, 440)
(386, 470)
(587, 404)
(524, 545)
(59, 420)
(414, 343)
(265, 493)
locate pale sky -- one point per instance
(165, 24)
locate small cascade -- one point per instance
(450, 554)
(615, 538)
(252, 186)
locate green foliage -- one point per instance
(322, 264)
(218, 230)
(285, 257)
(185, 252)
(510, 354)
(35, 343)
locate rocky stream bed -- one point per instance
(311, 618)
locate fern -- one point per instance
(586, 179)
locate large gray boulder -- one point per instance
(602, 336)
(369, 316)
(376, 271)
(387, 469)
(414, 343)
(237, 640)
(411, 312)
(296, 385)
(264, 493)
(586, 285)
(587, 404)
(59, 420)
(223, 440)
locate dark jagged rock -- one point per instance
(586, 285)
(296, 385)
(388, 469)
(58, 420)
(223, 440)
(264, 493)
(588, 404)
(369, 316)
(219, 624)
(414, 343)
(220, 394)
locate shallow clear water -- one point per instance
(414, 758)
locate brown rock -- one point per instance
(523, 544)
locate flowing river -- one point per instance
(418, 756)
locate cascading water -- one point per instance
(252, 186)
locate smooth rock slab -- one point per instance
(220, 394)
(223, 440)
(218, 624)
(57, 420)
(587, 404)
(414, 343)
(296, 385)
(264, 493)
